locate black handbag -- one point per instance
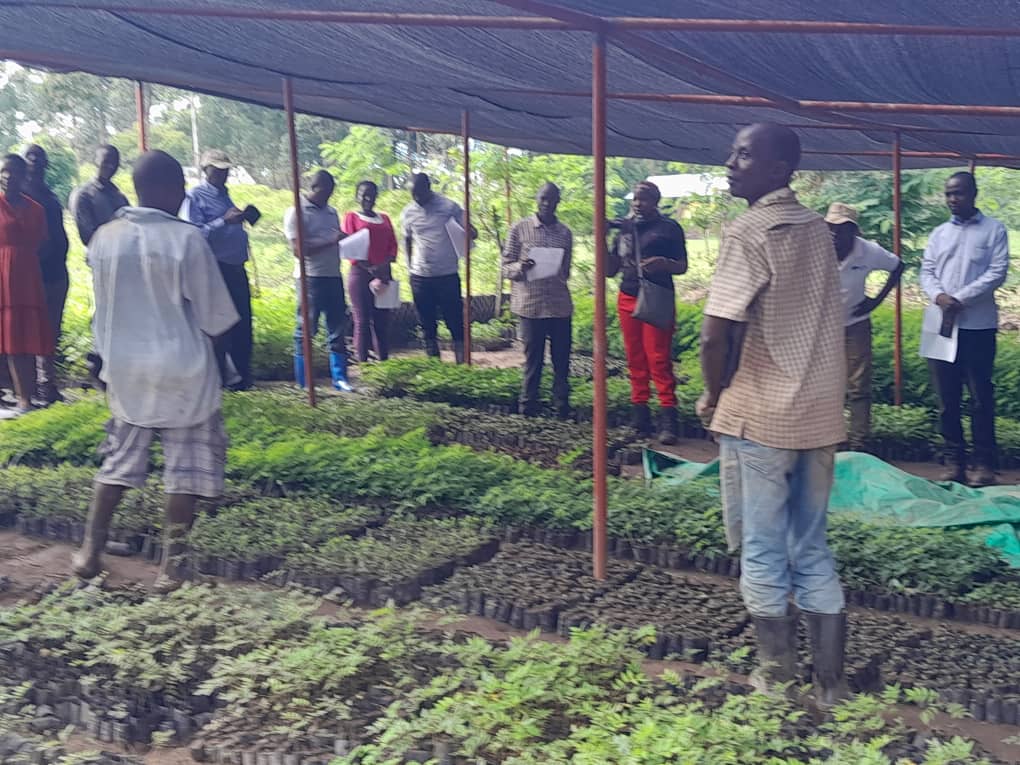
(655, 303)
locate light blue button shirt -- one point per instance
(968, 259)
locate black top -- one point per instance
(659, 238)
(53, 252)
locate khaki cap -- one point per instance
(841, 213)
(216, 158)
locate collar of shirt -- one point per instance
(779, 196)
(977, 217)
(539, 224)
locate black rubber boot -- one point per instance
(432, 348)
(641, 419)
(777, 652)
(955, 467)
(458, 352)
(669, 427)
(828, 648)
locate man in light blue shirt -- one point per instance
(965, 261)
(210, 207)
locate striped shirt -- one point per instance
(777, 272)
(543, 298)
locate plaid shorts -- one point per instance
(194, 458)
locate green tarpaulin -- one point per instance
(872, 489)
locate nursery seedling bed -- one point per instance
(528, 586)
(392, 562)
(694, 620)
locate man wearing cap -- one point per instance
(966, 260)
(210, 207)
(857, 259)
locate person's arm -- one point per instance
(994, 275)
(883, 260)
(459, 217)
(614, 262)
(568, 257)
(514, 268)
(84, 217)
(203, 286)
(676, 265)
(195, 212)
(741, 274)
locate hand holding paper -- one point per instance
(547, 262)
(355, 246)
(935, 344)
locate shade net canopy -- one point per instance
(530, 88)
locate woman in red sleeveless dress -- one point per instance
(24, 329)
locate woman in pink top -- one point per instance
(370, 323)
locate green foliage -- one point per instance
(364, 154)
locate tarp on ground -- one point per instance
(873, 490)
(528, 88)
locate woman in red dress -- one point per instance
(24, 329)
(370, 323)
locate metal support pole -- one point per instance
(897, 249)
(466, 136)
(509, 224)
(299, 243)
(143, 117)
(972, 166)
(599, 348)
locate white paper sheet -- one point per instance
(389, 296)
(355, 246)
(934, 345)
(547, 262)
(456, 232)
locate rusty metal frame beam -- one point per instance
(545, 16)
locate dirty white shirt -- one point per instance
(160, 299)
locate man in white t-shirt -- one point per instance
(857, 259)
(160, 301)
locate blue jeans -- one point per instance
(325, 299)
(775, 502)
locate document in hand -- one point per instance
(547, 262)
(933, 344)
(456, 232)
(355, 246)
(389, 296)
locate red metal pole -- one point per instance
(143, 117)
(509, 223)
(466, 136)
(972, 166)
(299, 243)
(897, 249)
(599, 347)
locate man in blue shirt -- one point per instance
(965, 261)
(210, 207)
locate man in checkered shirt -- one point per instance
(543, 306)
(773, 362)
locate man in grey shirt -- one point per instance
(432, 261)
(95, 202)
(325, 285)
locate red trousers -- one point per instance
(649, 356)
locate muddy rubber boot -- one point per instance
(981, 476)
(87, 562)
(174, 568)
(669, 426)
(641, 419)
(955, 468)
(432, 348)
(777, 652)
(828, 648)
(458, 353)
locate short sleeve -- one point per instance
(205, 290)
(347, 226)
(741, 273)
(877, 258)
(289, 228)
